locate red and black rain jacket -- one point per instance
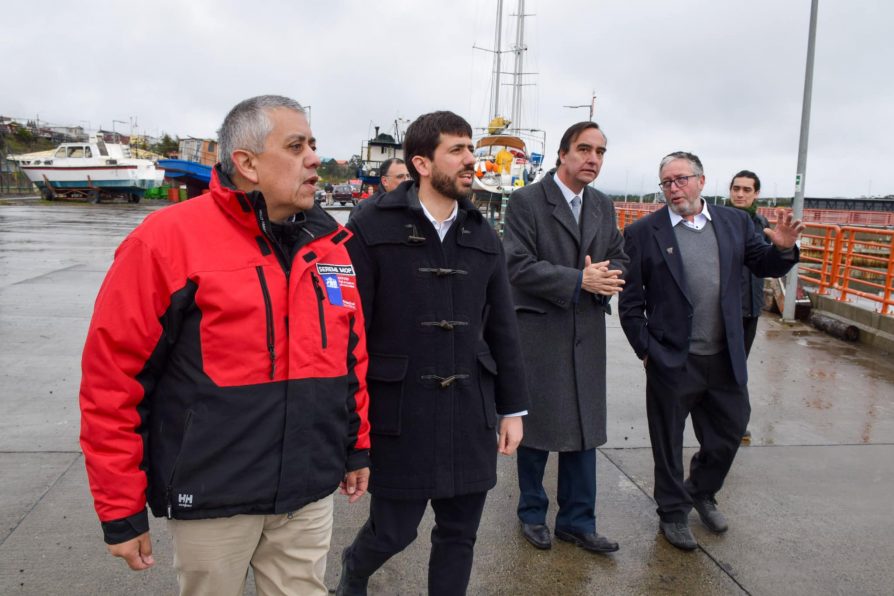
(220, 375)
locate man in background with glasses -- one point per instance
(393, 172)
(681, 310)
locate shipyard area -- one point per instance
(808, 500)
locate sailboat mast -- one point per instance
(518, 71)
(495, 90)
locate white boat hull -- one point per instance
(122, 177)
(91, 165)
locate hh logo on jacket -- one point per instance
(340, 284)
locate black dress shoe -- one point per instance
(350, 584)
(678, 534)
(707, 511)
(592, 542)
(537, 534)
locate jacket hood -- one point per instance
(250, 209)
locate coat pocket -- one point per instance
(385, 382)
(487, 373)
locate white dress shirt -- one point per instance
(568, 193)
(701, 219)
(441, 227)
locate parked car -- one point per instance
(343, 193)
(320, 196)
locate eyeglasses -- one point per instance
(679, 182)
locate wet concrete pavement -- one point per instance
(808, 501)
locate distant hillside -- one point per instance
(18, 143)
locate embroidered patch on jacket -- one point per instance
(340, 283)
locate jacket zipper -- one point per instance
(264, 226)
(169, 490)
(268, 310)
(319, 292)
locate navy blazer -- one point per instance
(655, 309)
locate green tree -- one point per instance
(24, 136)
(331, 172)
(166, 145)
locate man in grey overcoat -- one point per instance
(566, 260)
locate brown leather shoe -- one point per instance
(537, 535)
(592, 542)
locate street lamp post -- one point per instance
(115, 134)
(791, 282)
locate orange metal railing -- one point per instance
(841, 218)
(820, 256)
(867, 265)
(882, 219)
(849, 262)
(628, 216)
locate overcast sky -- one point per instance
(721, 78)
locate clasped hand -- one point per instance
(599, 279)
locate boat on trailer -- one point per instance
(93, 170)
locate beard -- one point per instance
(686, 208)
(449, 187)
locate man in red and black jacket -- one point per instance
(224, 373)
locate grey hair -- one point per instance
(692, 158)
(247, 126)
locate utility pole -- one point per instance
(591, 106)
(791, 282)
(115, 134)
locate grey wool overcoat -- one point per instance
(562, 327)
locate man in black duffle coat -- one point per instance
(445, 373)
(565, 258)
(682, 313)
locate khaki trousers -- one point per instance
(287, 552)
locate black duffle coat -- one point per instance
(442, 338)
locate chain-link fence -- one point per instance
(12, 180)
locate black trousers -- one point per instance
(749, 325)
(707, 391)
(392, 526)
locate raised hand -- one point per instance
(787, 230)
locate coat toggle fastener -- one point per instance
(445, 382)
